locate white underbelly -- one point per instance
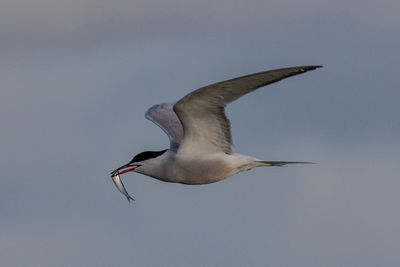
(199, 170)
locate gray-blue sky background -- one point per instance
(77, 76)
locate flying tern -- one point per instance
(200, 150)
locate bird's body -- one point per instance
(197, 169)
(200, 149)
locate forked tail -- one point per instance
(281, 163)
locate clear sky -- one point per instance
(77, 76)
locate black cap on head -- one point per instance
(147, 155)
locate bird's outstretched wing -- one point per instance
(164, 116)
(202, 112)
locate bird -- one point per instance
(200, 149)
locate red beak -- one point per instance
(124, 169)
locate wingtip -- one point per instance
(311, 67)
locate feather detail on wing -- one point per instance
(205, 125)
(164, 116)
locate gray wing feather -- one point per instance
(205, 125)
(164, 116)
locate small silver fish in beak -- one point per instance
(118, 183)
